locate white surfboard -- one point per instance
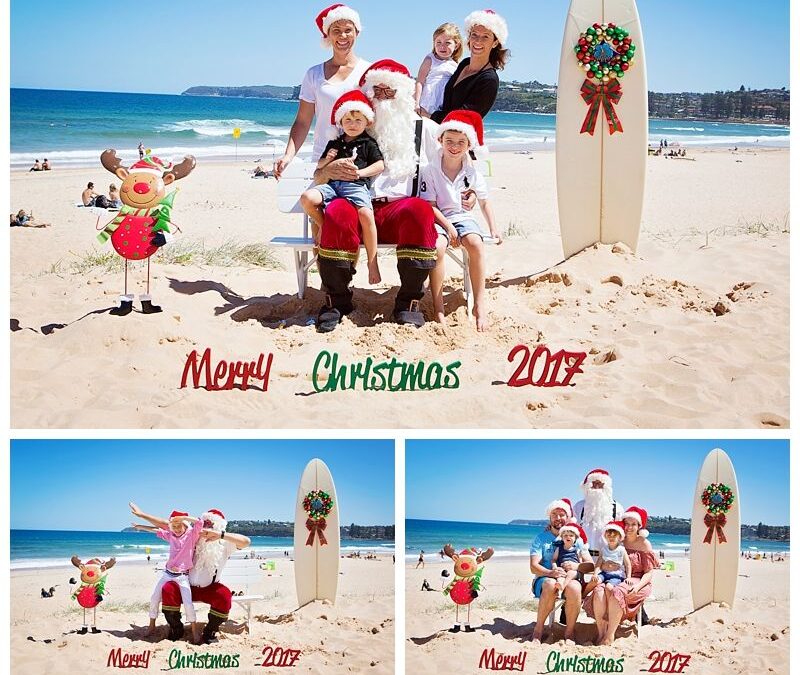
(600, 177)
(714, 565)
(316, 565)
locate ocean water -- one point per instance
(72, 128)
(54, 548)
(514, 540)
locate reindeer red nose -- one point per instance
(90, 574)
(465, 566)
(141, 188)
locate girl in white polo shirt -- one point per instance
(443, 183)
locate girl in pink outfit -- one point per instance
(181, 541)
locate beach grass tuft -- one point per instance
(515, 231)
(184, 252)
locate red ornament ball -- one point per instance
(88, 597)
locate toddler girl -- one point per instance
(436, 69)
(181, 559)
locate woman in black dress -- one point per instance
(475, 83)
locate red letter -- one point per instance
(575, 368)
(191, 361)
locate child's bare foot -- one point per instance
(197, 634)
(440, 317)
(151, 630)
(374, 272)
(481, 318)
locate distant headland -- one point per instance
(760, 106)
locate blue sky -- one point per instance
(497, 481)
(86, 485)
(166, 47)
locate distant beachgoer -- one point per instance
(474, 84)
(141, 150)
(46, 164)
(148, 557)
(324, 83)
(23, 219)
(36, 166)
(425, 586)
(113, 197)
(437, 68)
(88, 196)
(421, 560)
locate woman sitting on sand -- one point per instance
(608, 605)
(324, 83)
(548, 578)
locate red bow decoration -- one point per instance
(715, 523)
(316, 527)
(608, 95)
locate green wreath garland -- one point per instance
(318, 504)
(605, 52)
(717, 498)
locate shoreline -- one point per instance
(251, 155)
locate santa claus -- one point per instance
(597, 508)
(407, 143)
(210, 555)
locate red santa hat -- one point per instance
(573, 527)
(217, 512)
(468, 122)
(490, 19)
(178, 514)
(616, 526)
(598, 474)
(352, 101)
(150, 164)
(330, 15)
(564, 504)
(638, 514)
(389, 72)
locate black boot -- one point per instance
(175, 624)
(125, 308)
(336, 280)
(455, 629)
(148, 307)
(210, 631)
(413, 275)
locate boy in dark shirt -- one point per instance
(354, 113)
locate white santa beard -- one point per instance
(209, 556)
(598, 509)
(394, 131)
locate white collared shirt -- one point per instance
(436, 187)
(395, 188)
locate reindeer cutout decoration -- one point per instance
(466, 583)
(93, 585)
(142, 225)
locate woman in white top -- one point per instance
(437, 67)
(324, 83)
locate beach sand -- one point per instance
(750, 637)
(692, 331)
(355, 635)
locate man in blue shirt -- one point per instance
(559, 513)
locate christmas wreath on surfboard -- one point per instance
(318, 504)
(606, 52)
(718, 499)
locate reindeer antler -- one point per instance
(488, 553)
(76, 561)
(184, 168)
(110, 161)
(109, 564)
(449, 551)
